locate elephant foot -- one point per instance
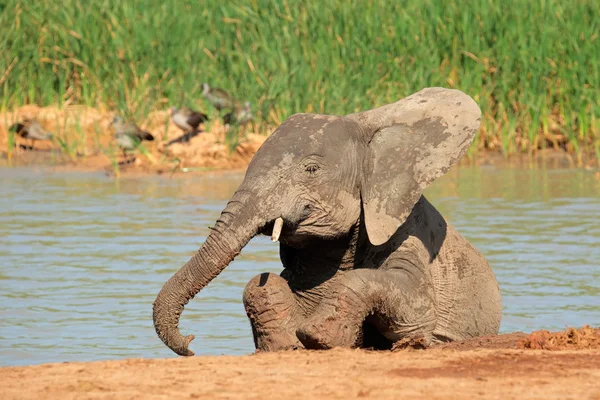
(271, 308)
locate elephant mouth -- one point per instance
(288, 229)
(291, 234)
(277, 229)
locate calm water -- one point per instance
(82, 256)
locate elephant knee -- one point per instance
(271, 308)
(268, 296)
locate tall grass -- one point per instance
(532, 65)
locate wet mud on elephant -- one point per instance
(367, 260)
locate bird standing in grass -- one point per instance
(129, 135)
(218, 97)
(187, 119)
(241, 115)
(31, 129)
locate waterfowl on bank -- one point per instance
(218, 97)
(31, 129)
(128, 135)
(187, 119)
(241, 115)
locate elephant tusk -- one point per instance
(277, 229)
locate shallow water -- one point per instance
(82, 256)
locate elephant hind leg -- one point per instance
(272, 309)
(390, 304)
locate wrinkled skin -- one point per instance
(367, 260)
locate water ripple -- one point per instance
(83, 257)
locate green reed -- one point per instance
(113, 155)
(65, 138)
(10, 140)
(532, 65)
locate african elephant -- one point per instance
(367, 259)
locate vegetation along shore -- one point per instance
(528, 64)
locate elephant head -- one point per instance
(318, 174)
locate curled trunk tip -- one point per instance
(173, 338)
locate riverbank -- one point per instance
(500, 367)
(84, 141)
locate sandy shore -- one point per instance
(91, 146)
(500, 367)
(335, 374)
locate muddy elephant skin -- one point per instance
(368, 261)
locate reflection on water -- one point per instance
(82, 256)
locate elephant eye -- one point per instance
(312, 168)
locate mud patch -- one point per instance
(509, 364)
(416, 342)
(570, 339)
(504, 341)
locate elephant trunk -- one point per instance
(237, 224)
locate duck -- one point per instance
(128, 135)
(218, 97)
(241, 115)
(31, 129)
(187, 119)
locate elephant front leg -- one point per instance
(272, 309)
(396, 303)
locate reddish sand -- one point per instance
(498, 367)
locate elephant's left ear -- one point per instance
(410, 144)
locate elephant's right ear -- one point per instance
(411, 143)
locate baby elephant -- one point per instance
(368, 261)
